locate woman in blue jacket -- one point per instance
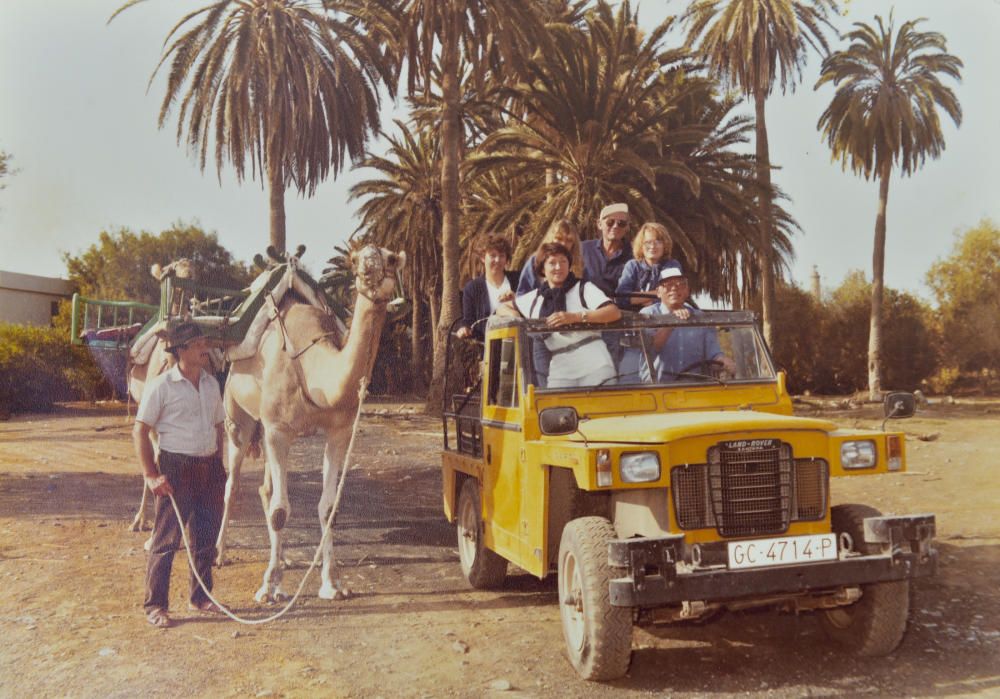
(651, 250)
(482, 295)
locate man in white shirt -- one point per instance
(184, 407)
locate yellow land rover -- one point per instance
(678, 488)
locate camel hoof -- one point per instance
(221, 561)
(149, 544)
(278, 518)
(139, 525)
(267, 595)
(338, 592)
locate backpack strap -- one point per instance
(596, 337)
(583, 301)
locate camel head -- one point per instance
(376, 270)
(179, 268)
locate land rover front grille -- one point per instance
(749, 488)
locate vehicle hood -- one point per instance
(666, 427)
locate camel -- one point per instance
(305, 375)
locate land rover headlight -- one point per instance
(639, 466)
(859, 454)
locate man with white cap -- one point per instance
(677, 349)
(604, 258)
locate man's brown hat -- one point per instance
(182, 334)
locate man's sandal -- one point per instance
(206, 607)
(160, 619)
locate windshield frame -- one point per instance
(634, 321)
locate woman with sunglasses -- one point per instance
(651, 248)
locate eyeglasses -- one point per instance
(616, 223)
(648, 244)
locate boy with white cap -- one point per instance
(677, 349)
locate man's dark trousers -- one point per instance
(199, 485)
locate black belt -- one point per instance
(189, 459)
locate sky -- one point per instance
(76, 116)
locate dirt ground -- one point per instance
(70, 610)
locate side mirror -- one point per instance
(899, 405)
(558, 420)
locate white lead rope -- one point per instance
(362, 391)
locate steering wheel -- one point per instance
(707, 364)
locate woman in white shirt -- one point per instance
(578, 358)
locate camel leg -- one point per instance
(235, 454)
(276, 447)
(333, 457)
(141, 514)
(140, 522)
(274, 497)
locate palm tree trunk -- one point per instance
(434, 308)
(765, 257)
(276, 186)
(451, 147)
(416, 344)
(878, 273)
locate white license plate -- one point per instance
(781, 551)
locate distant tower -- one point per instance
(815, 283)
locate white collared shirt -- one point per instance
(184, 417)
(494, 292)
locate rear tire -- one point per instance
(876, 623)
(598, 636)
(482, 568)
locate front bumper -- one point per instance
(658, 573)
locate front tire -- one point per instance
(598, 635)
(482, 568)
(876, 623)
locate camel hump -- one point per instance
(306, 322)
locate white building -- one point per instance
(31, 300)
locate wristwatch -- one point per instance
(583, 316)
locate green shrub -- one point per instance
(39, 367)
(823, 345)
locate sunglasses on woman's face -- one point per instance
(616, 222)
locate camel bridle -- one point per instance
(372, 267)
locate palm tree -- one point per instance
(457, 38)
(579, 119)
(885, 111)
(402, 208)
(289, 85)
(607, 114)
(752, 44)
